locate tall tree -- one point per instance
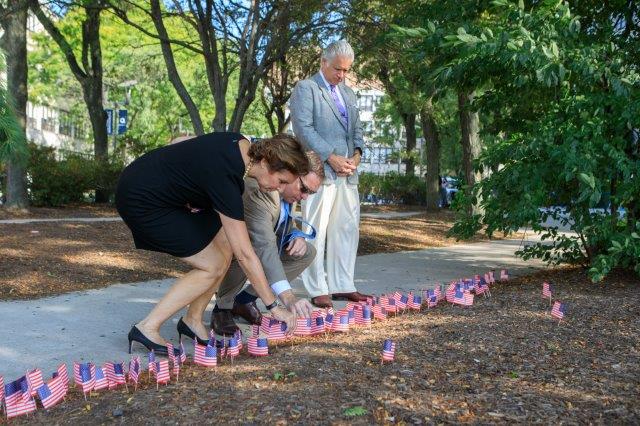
(242, 39)
(470, 141)
(432, 141)
(86, 67)
(13, 106)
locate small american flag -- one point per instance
(17, 398)
(61, 372)
(558, 310)
(389, 304)
(162, 371)
(351, 316)
(451, 291)
(53, 392)
(277, 331)
(265, 324)
(364, 318)
(258, 346)
(234, 348)
(151, 362)
(34, 380)
(328, 321)
(379, 312)
(388, 350)
(432, 298)
(171, 353)
(84, 375)
(207, 356)
(504, 275)
(480, 287)
(464, 298)
(183, 354)
(1, 390)
(303, 327)
(101, 379)
(340, 323)
(415, 302)
(318, 326)
(487, 278)
(330, 311)
(403, 302)
(492, 277)
(221, 346)
(547, 290)
(134, 370)
(255, 330)
(115, 374)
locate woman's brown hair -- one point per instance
(281, 152)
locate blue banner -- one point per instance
(122, 121)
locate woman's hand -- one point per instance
(282, 314)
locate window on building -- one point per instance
(49, 120)
(66, 124)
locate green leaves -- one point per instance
(355, 411)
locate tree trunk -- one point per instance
(469, 129)
(172, 69)
(15, 45)
(409, 121)
(432, 141)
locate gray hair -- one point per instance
(338, 48)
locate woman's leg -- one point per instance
(210, 266)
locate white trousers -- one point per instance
(335, 214)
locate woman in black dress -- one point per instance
(157, 196)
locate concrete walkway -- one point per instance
(93, 325)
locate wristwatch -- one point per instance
(273, 305)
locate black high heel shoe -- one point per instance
(135, 335)
(186, 330)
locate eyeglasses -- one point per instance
(304, 188)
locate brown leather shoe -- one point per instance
(353, 296)
(248, 311)
(222, 322)
(323, 301)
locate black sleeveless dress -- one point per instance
(154, 193)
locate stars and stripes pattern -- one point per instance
(462, 297)
(151, 359)
(451, 291)
(340, 323)
(388, 350)
(171, 353)
(547, 290)
(1, 391)
(34, 381)
(115, 374)
(258, 346)
(101, 381)
(318, 325)
(18, 399)
(365, 316)
(432, 298)
(233, 350)
(303, 327)
(134, 370)
(415, 302)
(277, 331)
(206, 356)
(558, 310)
(61, 372)
(53, 392)
(84, 375)
(162, 372)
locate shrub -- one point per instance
(393, 187)
(54, 182)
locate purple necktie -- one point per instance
(339, 105)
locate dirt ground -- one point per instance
(47, 258)
(503, 360)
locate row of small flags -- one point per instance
(18, 397)
(559, 309)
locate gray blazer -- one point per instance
(262, 211)
(317, 124)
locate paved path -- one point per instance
(92, 325)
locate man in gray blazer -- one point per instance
(269, 222)
(325, 119)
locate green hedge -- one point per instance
(54, 182)
(393, 187)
